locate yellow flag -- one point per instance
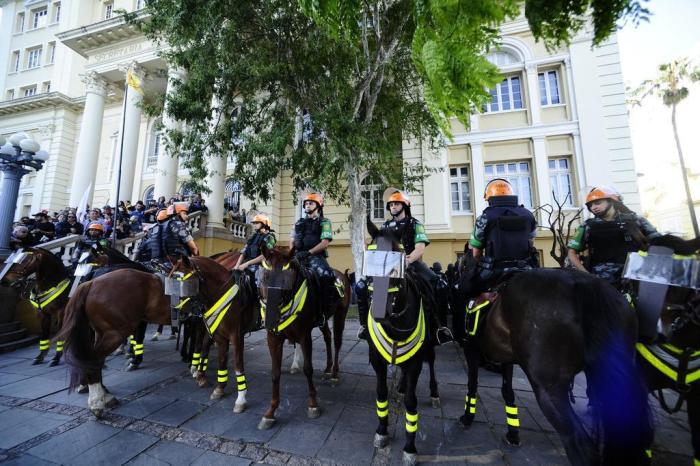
(133, 81)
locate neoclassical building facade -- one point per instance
(556, 124)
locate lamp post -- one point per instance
(17, 154)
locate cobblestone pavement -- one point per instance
(164, 418)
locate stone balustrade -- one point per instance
(240, 230)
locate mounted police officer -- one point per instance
(502, 241)
(251, 255)
(609, 236)
(312, 235)
(411, 234)
(94, 235)
(170, 238)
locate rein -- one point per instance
(290, 311)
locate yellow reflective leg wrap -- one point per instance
(240, 382)
(411, 423)
(696, 462)
(132, 341)
(649, 455)
(44, 345)
(59, 346)
(512, 416)
(470, 403)
(138, 349)
(203, 364)
(195, 359)
(382, 409)
(222, 375)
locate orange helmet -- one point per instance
(603, 192)
(264, 219)
(163, 215)
(181, 207)
(498, 187)
(96, 226)
(394, 195)
(317, 198)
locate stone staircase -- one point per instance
(13, 336)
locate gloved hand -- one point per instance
(301, 256)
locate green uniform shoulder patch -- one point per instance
(270, 241)
(420, 236)
(576, 242)
(326, 229)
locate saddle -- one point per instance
(474, 310)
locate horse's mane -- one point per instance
(679, 245)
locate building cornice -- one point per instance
(100, 34)
(41, 101)
(525, 132)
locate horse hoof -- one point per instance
(97, 412)
(37, 361)
(193, 371)
(326, 376)
(380, 441)
(111, 402)
(409, 459)
(82, 389)
(202, 382)
(132, 367)
(294, 370)
(239, 407)
(313, 413)
(435, 402)
(54, 362)
(217, 394)
(512, 440)
(266, 423)
(466, 421)
(335, 380)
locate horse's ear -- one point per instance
(371, 227)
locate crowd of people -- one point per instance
(124, 220)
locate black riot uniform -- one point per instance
(308, 232)
(504, 231)
(169, 239)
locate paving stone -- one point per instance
(175, 413)
(142, 407)
(230, 447)
(27, 460)
(7, 378)
(34, 387)
(63, 448)
(245, 428)
(303, 438)
(19, 429)
(347, 447)
(171, 452)
(73, 399)
(145, 460)
(118, 449)
(215, 420)
(211, 458)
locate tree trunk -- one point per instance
(689, 197)
(357, 218)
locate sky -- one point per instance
(671, 33)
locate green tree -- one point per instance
(671, 86)
(330, 89)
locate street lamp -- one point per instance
(17, 153)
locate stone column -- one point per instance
(9, 189)
(533, 94)
(570, 94)
(85, 166)
(477, 166)
(45, 139)
(216, 179)
(544, 188)
(474, 123)
(130, 132)
(166, 170)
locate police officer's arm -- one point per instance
(320, 247)
(193, 247)
(326, 237)
(476, 243)
(575, 246)
(420, 240)
(417, 253)
(270, 242)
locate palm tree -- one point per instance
(671, 86)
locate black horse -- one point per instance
(556, 323)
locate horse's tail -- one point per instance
(617, 393)
(78, 336)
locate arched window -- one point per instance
(186, 190)
(503, 58)
(232, 195)
(372, 192)
(148, 194)
(155, 146)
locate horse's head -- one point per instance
(91, 254)
(384, 261)
(278, 282)
(20, 268)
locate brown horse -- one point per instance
(48, 294)
(100, 316)
(293, 307)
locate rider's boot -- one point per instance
(362, 294)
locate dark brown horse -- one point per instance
(48, 293)
(293, 307)
(556, 323)
(673, 362)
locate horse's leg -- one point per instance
(99, 398)
(198, 337)
(513, 434)
(381, 437)
(201, 374)
(472, 356)
(326, 332)
(59, 343)
(434, 394)
(296, 360)
(44, 341)
(274, 344)
(241, 383)
(313, 411)
(694, 421)
(139, 336)
(554, 402)
(338, 329)
(221, 371)
(412, 369)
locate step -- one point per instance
(10, 327)
(23, 343)
(15, 335)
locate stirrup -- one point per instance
(362, 333)
(446, 330)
